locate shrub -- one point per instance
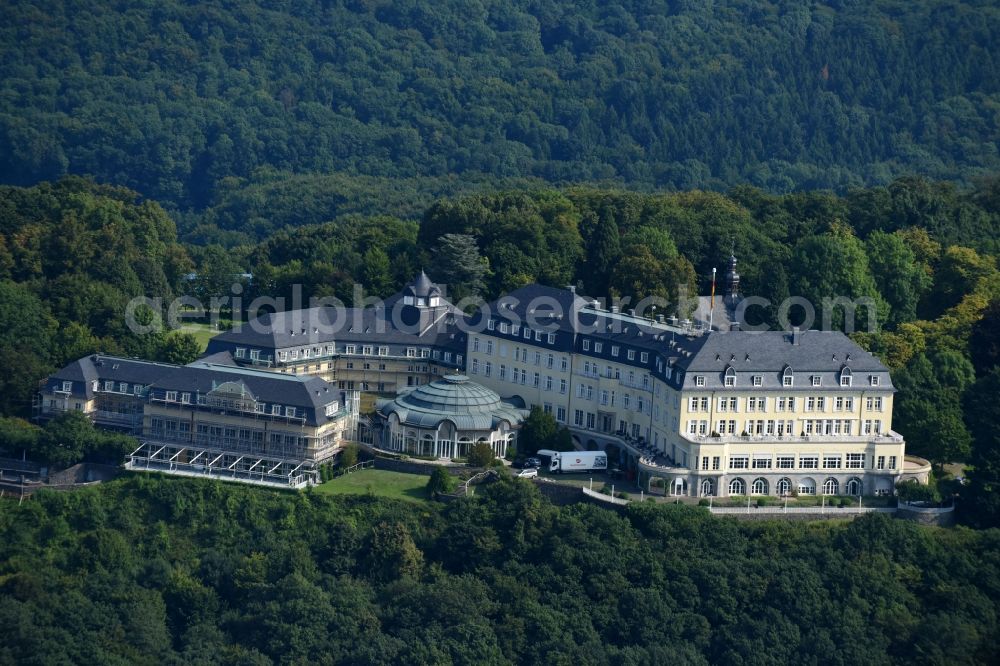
(914, 491)
(481, 454)
(702, 502)
(763, 501)
(441, 482)
(349, 456)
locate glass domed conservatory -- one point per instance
(446, 417)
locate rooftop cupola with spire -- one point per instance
(422, 293)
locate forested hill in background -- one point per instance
(190, 103)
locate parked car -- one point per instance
(528, 473)
(532, 462)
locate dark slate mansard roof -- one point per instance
(308, 393)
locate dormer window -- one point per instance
(699, 380)
(845, 377)
(503, 327)
(730, 378)
(491, 325)
(758, 380)
(67, 387)
(817, 380)
(787, 379)
(586, 345)
(874, 380)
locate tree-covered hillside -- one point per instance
(187, 102)
(151, 570)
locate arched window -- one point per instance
(737, 487)
(845, 376)
(831, 486)
(730, 378)
(807, 486)
(758, 487)
(854, 486)
(783, 487)
(787, 376)
(707, 488)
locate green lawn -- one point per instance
(202, 332)
(377, 482)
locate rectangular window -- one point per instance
(598, 346)
(586, 345)
(185, 397)
(881, 463)
(786, 462)
(704, 404)
(809, 462)
(489, 347)
(552, 338)
(730, 381)
(562, 386)
(488, 369)
(172, 396)
(561, 414)
(548, 382)
(831, 462)
(845, 380)
(874, 380)
(762, 462)
(123, 387)
(591, 420)
(739, 462)
(786, 380)
(704, 462)
(892, 462)
(515, 329)
(536, 380)
(614, 350)
(547, 407)
(855, 461)
(631, 354)
(578, 417)
(503, 327)
(699, 380)
(475, 366)
(758, 380)
(644, 357)
(716, 462)
(816, 380)
(491, 325)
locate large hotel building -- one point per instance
(678, 406)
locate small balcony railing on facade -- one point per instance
(871, 438)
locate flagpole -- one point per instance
(711, 307)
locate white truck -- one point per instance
(573, 461)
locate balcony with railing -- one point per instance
(890, 437)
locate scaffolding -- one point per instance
(191, 460)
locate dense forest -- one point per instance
(211, 106)
(152, 570)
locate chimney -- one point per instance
(796, 335)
